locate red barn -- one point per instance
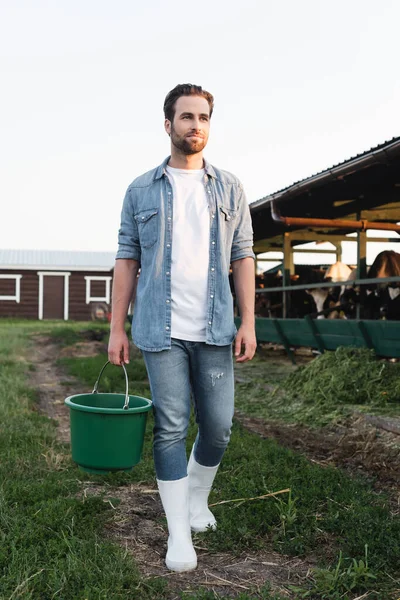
(55, 284)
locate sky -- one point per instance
(298, 87)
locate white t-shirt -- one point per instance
(190, 254)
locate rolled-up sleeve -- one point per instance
(242, 245)
(128, 235)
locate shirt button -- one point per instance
(167, 273)
(213, 243)
(213, 216)
(167, 301)
(212, 296)
(209, 322)
(167, 328)
(169, 193)
(168, 245)
(142, 218)
(212, 269)
(169, 218)
(209, 191)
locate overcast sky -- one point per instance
(298, 87)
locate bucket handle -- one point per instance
(96, 385)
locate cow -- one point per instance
(269, 304)
(309, 301)
(349, 298)
(383, 300)
(378, 301)
(329, 298)
(300, 303)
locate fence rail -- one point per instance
(329, 284)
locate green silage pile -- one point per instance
(346, 376)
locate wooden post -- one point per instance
(361, 264)
(288, 269)
(338, 246)
(362, 255)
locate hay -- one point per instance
(346, 376)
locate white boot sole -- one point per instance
(180, 567)
(200, 528)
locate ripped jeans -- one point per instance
(190, 370)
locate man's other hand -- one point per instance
(245, 344)
(118, 348)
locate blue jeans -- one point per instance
(205, 373)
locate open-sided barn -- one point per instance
(345, 198)
(54, 284)
(337, 205)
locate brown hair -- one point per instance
(185, 89)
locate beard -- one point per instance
(187, 145)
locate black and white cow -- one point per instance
(301, 303)
(383, 300)
(378, 301)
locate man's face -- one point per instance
(191, 125)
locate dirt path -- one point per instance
(359, 448)
(137, 524)
(52, 383)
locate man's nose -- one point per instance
(196, 124)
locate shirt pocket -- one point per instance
(147, 222)
(227, 214)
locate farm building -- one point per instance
(356, 202)
(346, 198)
(55, 284)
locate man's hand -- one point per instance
(246, 339)
(118, 348)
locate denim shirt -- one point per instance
(146, 236)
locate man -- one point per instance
(182, 224)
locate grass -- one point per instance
(51, 539)
(347, 374)
(65, 335)
(338, 580)
(325, 390)
(113, 379)
(326, 509)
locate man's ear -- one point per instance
(167, 126)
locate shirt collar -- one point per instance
(161, 170)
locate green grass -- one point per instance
(52, 543)
(326, 509)
(323, 391)
(113, 379)
(263, 594)
(67, 335)
(253, 467)
(51, 540)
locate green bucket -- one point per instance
(107, 430)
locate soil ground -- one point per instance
(357, 446)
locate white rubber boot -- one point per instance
(174, 495)
(200, 481)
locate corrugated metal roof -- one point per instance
(56, 260)
(334, 171)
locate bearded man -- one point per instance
(183, 224)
